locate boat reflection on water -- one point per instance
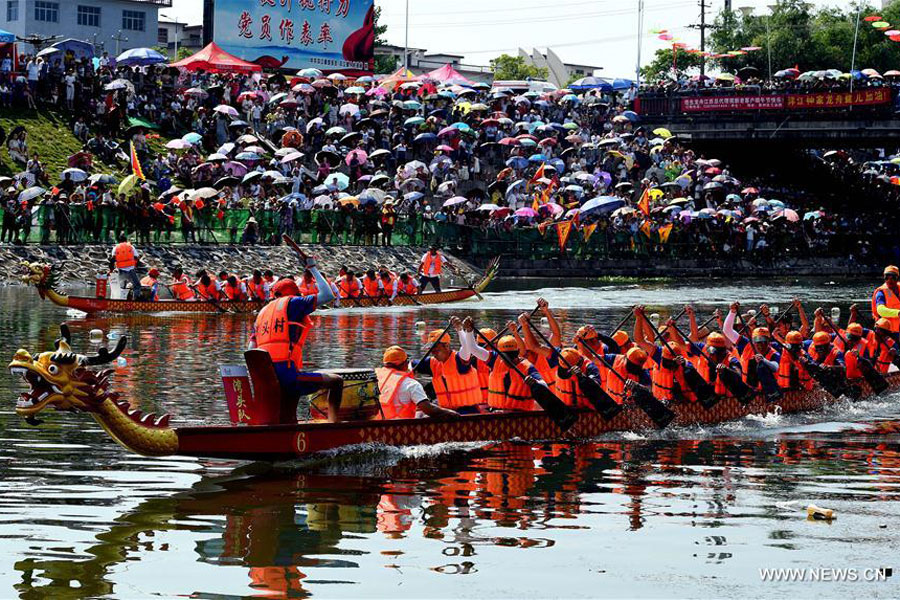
(281, 523)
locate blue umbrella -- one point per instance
(140, 56)
(537, 158)
(570, 98)
(591, 83)
(412, 105)
(622, 84)
(7, 37)
(602, 205)
(558, 164)
(413, 121)
(247, 156)
(461, 126)
(517, 162)
(631, 116)
(192, 137)
(425, 137)
(413, 196)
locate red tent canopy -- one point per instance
(215, 60)
(447, 74)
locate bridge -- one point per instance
(866, 117)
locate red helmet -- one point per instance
(285, 287)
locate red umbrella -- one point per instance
(713, 171)
(526, 136)
(749, 190)
(509, 141)
(872, 18)
(548, 142)
(448, 131)
(489, 122)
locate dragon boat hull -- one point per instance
(108, 305)
(287, 442)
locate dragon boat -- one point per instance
(265, 426)
(45, 279)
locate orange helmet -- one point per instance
(855, 329)
(793, 337)
(570, 356)
(761, 332)
(667, 353)
(586, 332)
(891, 270)
(285, 287)
(636, 356)
(883, 323)
(488, 333)
(716, 340)
(621, 338)
(437, 334)
(821, 338)
(394, 355)
(507, 344)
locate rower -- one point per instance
(308, 285)
(666, 363)
(256, 287)
(886, 300)
(150, 282)
(507, 390)
(544, 358)
(221, 282)
(483, 359)
(587, 336)
(125, 258)
(856, 346)
(758, 354)
(389, 284)
(566, 377)
(823, 351)
(401, 396)
(234, 290)
(630, 366)
(430, 267)
(371, 285)
(206, 288)
(180, 287)
(453, 376)
(792, 373)
(348, 285)
(880, 345)
(281, 328)
(719, 367)
(408, 285)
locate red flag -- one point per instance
(644, 202)
(136, 164)
(563, 228)
(537, 174)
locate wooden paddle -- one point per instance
(770, 386)
(209, 300)
(875, 379)
(658, 412)
(555, 408)
(706, 393)
(732, 381)
(593, 390)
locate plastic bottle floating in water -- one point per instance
(420, 325)
(817, 513)
(121, 361)
(96, 336)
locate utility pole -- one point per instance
(702, 37)
(119, 38)
(640, 35)
(406, 42)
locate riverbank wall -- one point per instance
(80, 264)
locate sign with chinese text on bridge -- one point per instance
(330, 35)
(817, 100)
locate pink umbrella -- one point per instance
(553, 207)
(790, 215)
(235, 168)
(377, 91)
(444, 148)
(178, 144)
(448, 131)
(359, 153)
(525, 212)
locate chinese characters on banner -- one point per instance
(789, 102)
(286, 26)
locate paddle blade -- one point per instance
(706, 394)
(875, 379)
(659, 413)
(558, 412)
(736, 386)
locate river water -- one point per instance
(687, 512)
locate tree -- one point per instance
(183, 53)
(383, 63)
(665, 66)
(515, 67)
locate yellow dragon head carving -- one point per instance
(40, 275)
(60, 378)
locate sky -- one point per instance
(600, 33)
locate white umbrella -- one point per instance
(247, 139)
(337, 77)
(31, 193)
(216, 156)
(205, 192)
(291, 157)
(226, 110)
(314, 122)
(76, 175)
(349, 109)
(178, 144)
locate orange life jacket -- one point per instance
(308, 288)
(543, 367)
(663, 383)
(747, 357)
(890, 301)
(256, 291)
(349, 288)
(149, 282)
(454, 389)
(880, 352)
(851, 359)
(568, 388)
(830, 359)
(408, 288)
(125, 256)
(272, 329)
(791, 371)
(707, 371)
(437, 260)
(506, 389)
(181, 290)
(615, 387)
(370, 286)
(208, 292)
(388, 286)
(484, 375)
(234, 293)
(389, 381)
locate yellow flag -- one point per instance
(563, 228)
(647, 228)
(644, 202)
(588, 230)
(664, 232)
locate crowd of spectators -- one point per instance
(243, 158)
